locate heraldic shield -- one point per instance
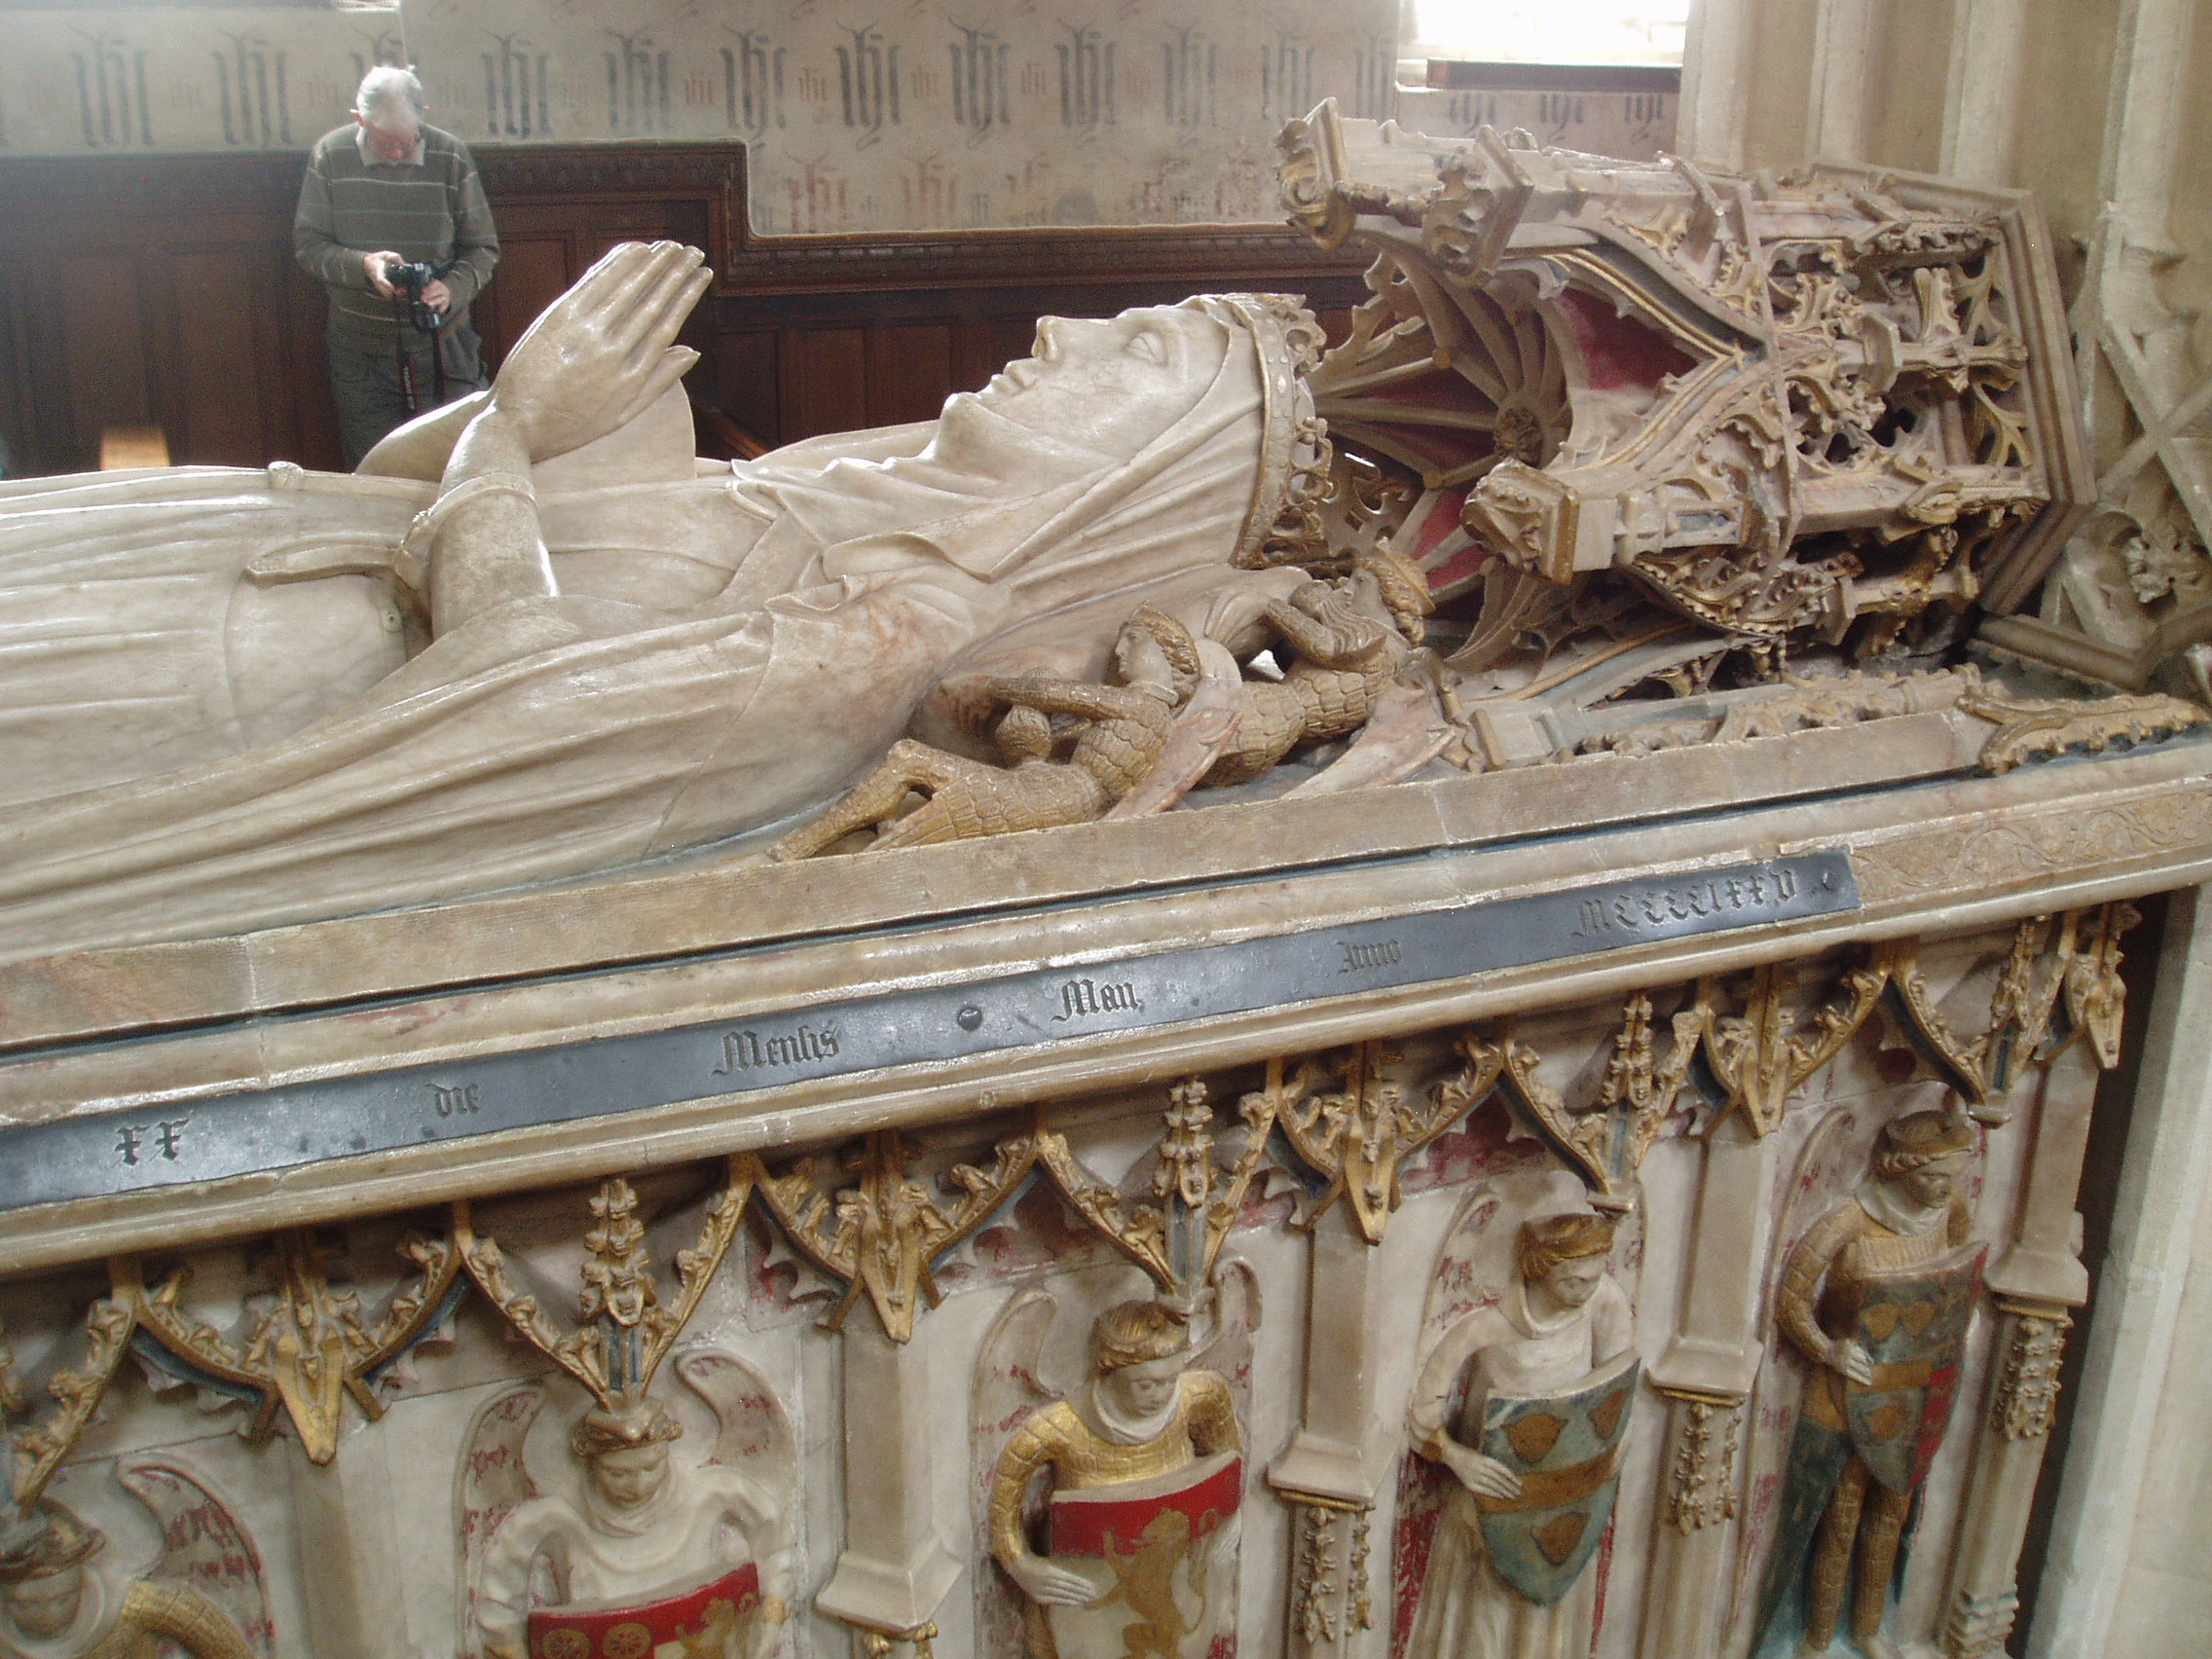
(1163, 1554)
(1913, 1322)
(1566, 1448)
(715, 1621)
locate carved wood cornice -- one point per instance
(715, 174)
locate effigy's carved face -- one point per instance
(1144, 1390)
(1932, 1184)
(633, 1475)
(1138, 659)
(1574, 1281)
(1110, 387)
(45, 1605)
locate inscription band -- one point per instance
(250, 1131)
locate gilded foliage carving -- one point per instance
(1701, 1476)
(626, 1328)
(2026, 1395)
(1178, 1238)
(2029, 730)
(1763, 1055)
(313, 1348)
(1358, 1135)
(39, 1448)
(880, 1233)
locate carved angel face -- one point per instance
(45, 1605)
(1574, 1281)
(1109, 386)
(1932, 1184)
(1144, 1390)
(633, 1475)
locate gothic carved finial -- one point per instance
(1360, 1134)
(2096, 997)
(1763, 1055)
(626, 1328)
(880, 1234)
(314, 1347)
(1178, 1240)
(1605, 1141)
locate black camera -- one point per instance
(408, 280)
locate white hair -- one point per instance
(389, 90)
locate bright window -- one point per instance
(1552, 31)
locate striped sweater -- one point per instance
(430, 210)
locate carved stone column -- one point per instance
(1982, 96)
(1705, 1377)
(1716, 82)
(2140, 1300)
(343, 1515)
(894, 1571)
(1336, 1463)
(2033, 1284)
(1843, 49)
(1333, 1578)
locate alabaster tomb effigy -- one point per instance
(1404, 998)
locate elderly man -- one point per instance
(388, 191)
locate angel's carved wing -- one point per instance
(751, 1429)
(493, 1481)
(204, 1547)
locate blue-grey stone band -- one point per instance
(213, 1137)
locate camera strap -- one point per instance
(403, 360)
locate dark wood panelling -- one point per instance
(533, 271)
(909, 371)
(163, 290)
(824, 381)
(103, 345)
(221, 404)
(746, 383)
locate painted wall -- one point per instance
(934, 115)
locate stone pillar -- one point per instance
(894, 1571)
(2145, 112)
(1711, 123)
(348, 1550)
(1843, 46)
(1705, 1377)
(1982, 96)
(1335, 1466)
(2163, 1181)
(2035, 1282)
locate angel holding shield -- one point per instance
(638, 1554)
(1146, 1476)
(627, 1545)
(1534, 1449)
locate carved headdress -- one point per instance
(1920, 1138)
(1284, 524)
(1547, 1240)
(1233, 472)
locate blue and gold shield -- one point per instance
(1912, 1320)
(1565, 1449)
